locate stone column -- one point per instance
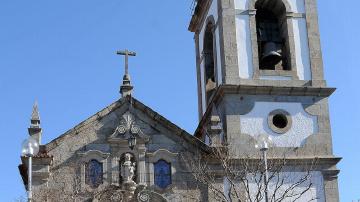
(331, 185)
(141, 165)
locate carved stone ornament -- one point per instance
(111, 194)
(145, 195)
(126, 128)
(116, 194)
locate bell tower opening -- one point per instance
(271, 27)
(208, 54)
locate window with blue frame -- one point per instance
(162, 174)
(93, 173)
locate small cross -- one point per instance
(127, 54)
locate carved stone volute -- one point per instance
(126, 128)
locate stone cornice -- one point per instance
(94, 152)
(274, 90)
(327, 164)
(198, 14)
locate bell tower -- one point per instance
(260, 71)
(257, 43)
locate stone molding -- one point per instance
(93, 154)
(161, 154)
(101, 157)
(276, 129)
(330, 174)
(251, 4)
(198, 16)
(273, 90)
(323, 163)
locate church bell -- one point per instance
(271, 55)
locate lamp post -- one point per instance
(29, 148)
(263, 143)
(132, 141)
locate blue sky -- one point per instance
(62, 53)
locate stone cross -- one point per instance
(126, 88)
(127, 54)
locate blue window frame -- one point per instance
(162, 174)
(94, 173)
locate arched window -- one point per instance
(94, 173)
(272, 36)
(162, 174)
(208, 53)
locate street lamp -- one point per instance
(132, 141)
(263, 143)
(29, 148)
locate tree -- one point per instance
(242, 179)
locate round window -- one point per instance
(279, 121)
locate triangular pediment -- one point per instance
(126, 117)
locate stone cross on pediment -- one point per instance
(126, 53)
(126, 128)
(126, 87)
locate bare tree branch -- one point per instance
(245, 176)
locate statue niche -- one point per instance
(128, 168)
(128, 175)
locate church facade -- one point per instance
(260, 80)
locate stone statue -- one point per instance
(128, 169)
(127, 174)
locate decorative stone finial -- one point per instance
(35, 130)
(35, 116)
(126, 87)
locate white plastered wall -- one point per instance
(243, 40)
(315, 193)
(302, 49)
(244, 45)
(213, 11)
(303, 124)
(244, 48)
